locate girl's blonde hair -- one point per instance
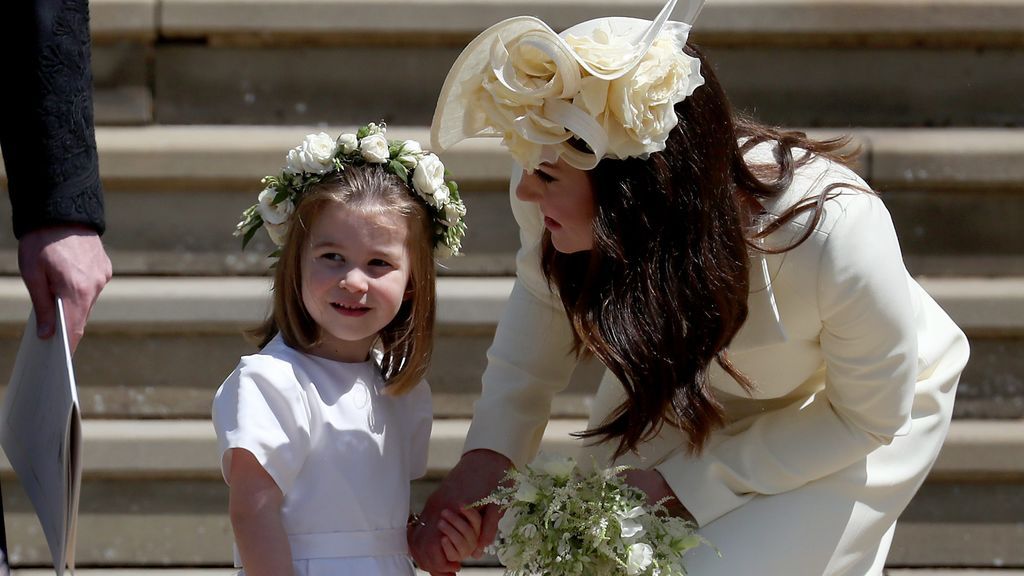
(407, 341)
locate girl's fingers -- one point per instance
(474, 518)
(448, 530)
(449, 550)
(460, 545)
(468, 534)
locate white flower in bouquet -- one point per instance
(639, 558)
(628, 525)
(560, 521)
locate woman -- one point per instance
(770, 362)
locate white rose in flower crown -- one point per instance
(274, 213)
(349, 143)
(374, 148)
(642, 102)
(315, 155)
(278, 232)
(453, 212)
(440, 197)
(428, 176)
(640, 557)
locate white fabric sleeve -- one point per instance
(261, 408)
(422, 419)
(531, 358)
(869, 344)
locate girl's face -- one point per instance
(566, 199)
(355, 274)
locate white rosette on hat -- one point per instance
(610, 82)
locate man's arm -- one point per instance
(49, 148)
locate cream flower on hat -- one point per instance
(611, 83)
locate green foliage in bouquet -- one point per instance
(561, 521)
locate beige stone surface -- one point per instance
(137, 449)
(953, 157)
(979, 305)
(240, 155)
(119, 20)
(725, 17)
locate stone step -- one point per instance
(970, 22)
(159, 347)
(152, 496)
(207, 61)
(975, 451)
(492, 571)
(784, 85)
(174, 193)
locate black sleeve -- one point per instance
(46, 117)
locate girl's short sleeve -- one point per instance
(261, 408)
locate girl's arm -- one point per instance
(255, 509)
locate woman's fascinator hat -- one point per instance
(611, 83)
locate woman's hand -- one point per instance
(653, 484)
(475, 476)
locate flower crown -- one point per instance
(319, 156)
(611, 83)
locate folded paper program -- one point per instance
(605, 88)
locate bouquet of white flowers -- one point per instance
(560, 521)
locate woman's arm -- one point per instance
(255, 508)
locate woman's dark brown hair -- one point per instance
(664, 289)
(408, 340)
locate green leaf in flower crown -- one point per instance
(282, 194)
(399, 169)
(254, 225)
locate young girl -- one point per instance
(322, 431)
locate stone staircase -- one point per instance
(196, 99)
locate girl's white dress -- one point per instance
(342, 452)
(855, 368)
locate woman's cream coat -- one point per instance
(847, 353)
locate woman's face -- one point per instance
(566, 199)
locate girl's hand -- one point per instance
(653, 484)
(474, 477)
(461, 533)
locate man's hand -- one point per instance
(65, 261)
(475, 476)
